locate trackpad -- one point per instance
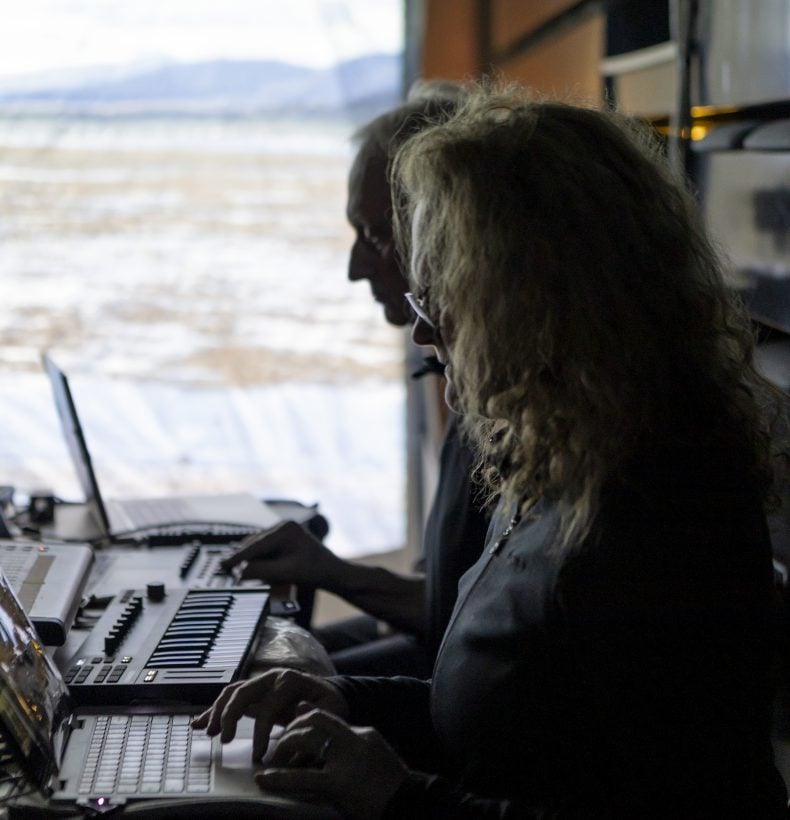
(237, 754)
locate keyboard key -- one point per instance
(200, 751)
(126, 788)
(150, 788)
(146, 754)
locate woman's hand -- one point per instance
(272, 698)
(287, 554)
(320, 755)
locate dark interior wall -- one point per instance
(450, 40)
(465, 38)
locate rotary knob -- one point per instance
(155, 592)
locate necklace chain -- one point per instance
(505, 534)
(516, 519)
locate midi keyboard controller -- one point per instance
(164, 644)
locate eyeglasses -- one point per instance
(418, 305)
(378, 242)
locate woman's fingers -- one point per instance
(315, 737)
(309, 756)
(264, 698)
(209, 720)
(305, 746)
(274, 697)
(353, 768)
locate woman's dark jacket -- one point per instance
(630, 677)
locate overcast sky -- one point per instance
(45, 35)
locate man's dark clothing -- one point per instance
(453, 540)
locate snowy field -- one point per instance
(190, 277)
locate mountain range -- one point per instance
(355, 88)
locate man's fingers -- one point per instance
(262, 544)
(267, 569)
(250, 548)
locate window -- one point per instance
(172, 200)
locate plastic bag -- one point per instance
(284, 644)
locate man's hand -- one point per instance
(321, 756)
(272, 698)
(288, 554)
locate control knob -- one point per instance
(155, 592)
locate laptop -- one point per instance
(238, 514)
(49, 580)
(100, 758)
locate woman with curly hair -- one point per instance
(610, 654)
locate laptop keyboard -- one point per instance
(153, 512)
(146, 754)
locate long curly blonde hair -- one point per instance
(589, 315)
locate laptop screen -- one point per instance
(75, 440)
(33, 697)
